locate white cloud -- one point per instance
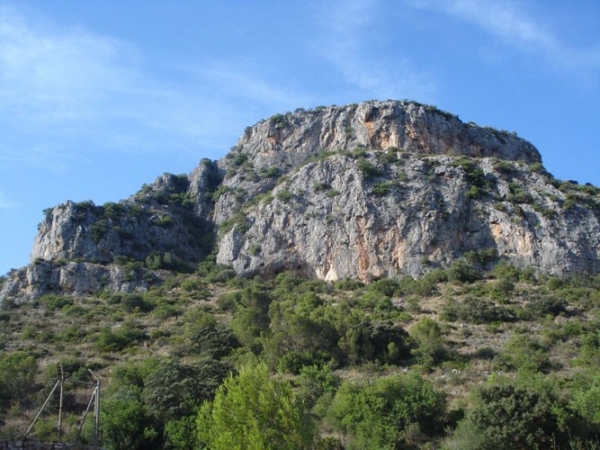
(63, 86)
(510, 22)
(53, 76)
(5, 202)
(351, 27)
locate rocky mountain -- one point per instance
(380, 189)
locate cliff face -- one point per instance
(286, 140)
(356, 217)
(156, 220)
(389, 188)
(366, 191)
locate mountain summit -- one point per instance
(371, 190)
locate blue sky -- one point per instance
(97, 98)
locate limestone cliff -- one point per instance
(373, 190)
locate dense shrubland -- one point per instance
(473, 357)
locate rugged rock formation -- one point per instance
(373, 190)
(74, 278)
(157, 220)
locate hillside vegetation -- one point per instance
(371, 276)
(478, 356)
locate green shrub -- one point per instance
(363, 340)
(270, 172)
(506, 271)
(474, 192)
(476, 310)
(228, 300)
(222, 276)
(284, 195)
(525, 353)
(239, 221)
(537, 167)
(390, 156)
(316, 381)
(462, 272)
(205, 336)
(222, 189)
(129, 333)
(163, 312)
(508, 416)
(483, 257)
(586, 399)
(348, 284)
(369, 170)
(71, 334)
(54, 302)
(278, 120)
(385, 286)
(545, 305)
(319, 187)
(473, 173)
(504, 167)
(589, 352)
(518, 194)
(134, 302)
(254, 409)
(430, 349)
(127, 423)
(382, 189)
(294, 361)
(98, 230)
(238, 159)
(17, 377)
(177, 389)
(377, 415)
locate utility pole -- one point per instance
(60, 403)
(95, 398)
(96, 409)
(41, 409)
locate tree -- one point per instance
(299, 333)
(255, 412)
(376, 416)
(251, 316)
(177, 390)
(506, 414)
(430, 349)
(17, 378)
(127, 423)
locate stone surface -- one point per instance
(364, 191)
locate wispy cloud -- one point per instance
(515, 26)
(5, 202)
(60, 85)
(53, 76)
(350, 27)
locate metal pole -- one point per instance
(42, 408)
(96, 409)
(87, 410)
(60, 403)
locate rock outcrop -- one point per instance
(74, 278)
(379, 189)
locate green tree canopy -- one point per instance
(128, 424)
(377, 415)
(513, 414)
(252, 411)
